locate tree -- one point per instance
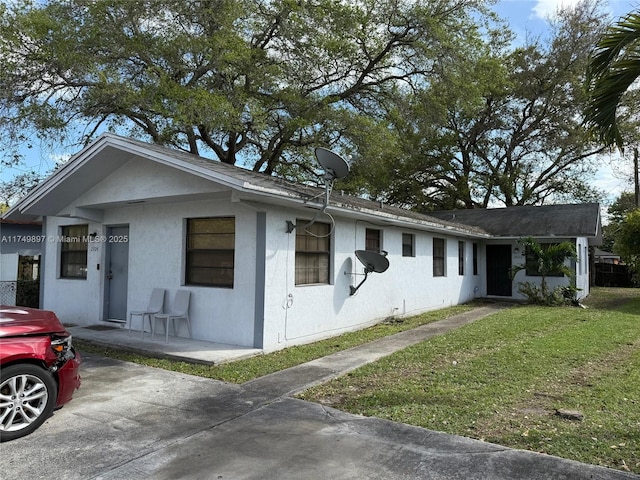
(546, 260)
(497, 125)
(18, 186)
(613, 67)
(248, 82)
(618, 210)
(627, 243)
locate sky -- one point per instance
(526, 17)
(529, 17)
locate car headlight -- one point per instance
(63, 348)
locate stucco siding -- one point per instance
(160, 181)
(77, 301)
(152, 191)
(580, 266)
(156, 259)
(9, 267)
(303, 313)
(293, 314)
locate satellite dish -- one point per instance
(334, 167)
(373, 262)
(333, 164)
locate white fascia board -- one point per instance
(372, 216)
(541, 238)
(385, 218)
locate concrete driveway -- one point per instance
(131, 422)
(134, 422)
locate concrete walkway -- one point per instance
(296, 379)
(134, 422)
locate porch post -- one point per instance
(261, 252)
(41, 267)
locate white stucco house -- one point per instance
(123, 217)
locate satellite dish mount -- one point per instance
(373, 262)
(334, 166)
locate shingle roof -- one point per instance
(303, 191)
(572, 220)
(554, 220)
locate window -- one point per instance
(210, 251)
(312, 253)
(372, 240)
(531, 263)
(461, 247)
(408, 245)
(475, 259)
(73, 252)
(438, 257)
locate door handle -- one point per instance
(109, 275)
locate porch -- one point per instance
(178, 348)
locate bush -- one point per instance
(537, 296)
(558, 296)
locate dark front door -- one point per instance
(499, 270)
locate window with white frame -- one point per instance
(408, 245)
(439, 256)
(373, 240)
(461, 247)
(313, 252)
(73, 251)
(210, 252)
(475, 259)
(531, 262)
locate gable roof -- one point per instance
(573, 220)
(110, 152)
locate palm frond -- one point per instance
(614, 66)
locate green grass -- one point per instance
(254, 367)
(502, 379)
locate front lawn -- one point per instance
(502, 380)
(244, 370)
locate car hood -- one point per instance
(27, 321)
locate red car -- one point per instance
(39, 369)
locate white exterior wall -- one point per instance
(303, 313)
(9, 267)
(157, 234)
(8, 277)
(581, 267)
(291, 314)
(156, 259)
(76, 301)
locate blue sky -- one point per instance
(529, 17)
(526, 17)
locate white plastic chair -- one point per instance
(155, 305)
(180, 312)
